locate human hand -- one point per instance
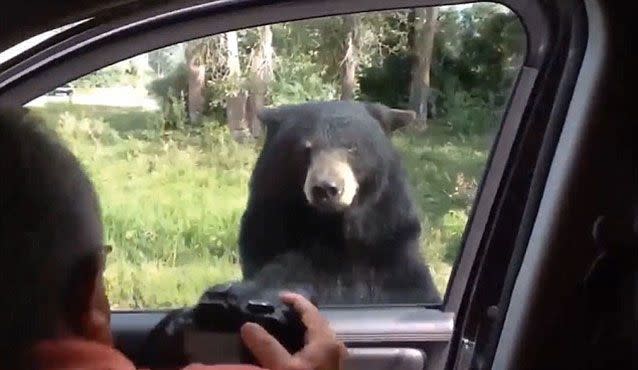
(322, 350)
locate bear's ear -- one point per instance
(271, 119)
(390, 119)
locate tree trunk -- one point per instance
(424, 29)
(261, 73)
(236, 100)
(196, 81)
(236, 115)
(350, 59)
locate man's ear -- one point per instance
(271, 119)
(390, 119)
(84, 302)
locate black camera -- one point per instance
(209, 332)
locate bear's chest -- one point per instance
(325, 241)
(325, 233)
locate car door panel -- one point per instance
(388, 338)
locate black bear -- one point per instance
(330, 207)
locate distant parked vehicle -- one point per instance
(66, 90)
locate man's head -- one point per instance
(51, 253)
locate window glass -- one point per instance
(172, 137)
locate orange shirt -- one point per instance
(78, 354)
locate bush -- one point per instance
(176, 80)
(171, 93)
(119, 74)
(298, 81)
(388, 84)
(72, 129)
(102, 78)
(174, 111)
(466, 114)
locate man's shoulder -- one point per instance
(221, 367)
(82, 354)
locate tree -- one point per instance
(350, 59)
(422, 42)
(236, 98)
(478, 49)
(260, 76)
(158, 60)
(163, 61)
(196, 79)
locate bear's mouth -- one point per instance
(328, 208)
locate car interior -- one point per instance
(538, 267)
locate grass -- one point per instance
(172, 204)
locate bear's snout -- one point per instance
(327, 190)
(330, 182)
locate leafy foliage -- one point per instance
(477, 53)
(388, 84)
(163, 61)
(172, 92)
(298, 80)
(467, 114)
(124, 73)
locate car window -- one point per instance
(172, 137)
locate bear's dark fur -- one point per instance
(361, 249)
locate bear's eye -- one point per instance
(306, 146)
(352, 148)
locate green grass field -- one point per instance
(172, 203)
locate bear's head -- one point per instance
(334, 154)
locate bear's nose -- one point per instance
(325, 191)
